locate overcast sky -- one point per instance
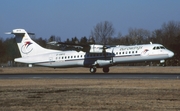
(70, 18)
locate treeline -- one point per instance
(103, 33)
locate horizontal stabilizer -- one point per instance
(8, 32)
(19, 31)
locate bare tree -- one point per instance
(138, 36)
(102, 32)
(171, 32)
(157, 36)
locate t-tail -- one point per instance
(26, 45)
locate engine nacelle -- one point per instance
(96, 48)
(102, 63)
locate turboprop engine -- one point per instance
(96, 48)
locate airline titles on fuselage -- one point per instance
(131, 48)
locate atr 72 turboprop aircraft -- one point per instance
(96, 56)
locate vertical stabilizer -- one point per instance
(26, 45)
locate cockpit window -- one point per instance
(158, 47)
(162, 47)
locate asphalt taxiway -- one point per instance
(92, 76)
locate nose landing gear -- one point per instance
(162, 63)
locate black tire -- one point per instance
(105, 69)
(92, 69)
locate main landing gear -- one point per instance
(93, 69)
(105, 69)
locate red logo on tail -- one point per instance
(26, 48)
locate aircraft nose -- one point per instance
(171, 54)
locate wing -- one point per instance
(91, 48)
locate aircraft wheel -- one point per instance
(163, 65)
(92, 69)
(105, 69)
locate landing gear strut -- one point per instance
(163, 64)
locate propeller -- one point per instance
(104, 49)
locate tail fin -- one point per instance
(26, 45)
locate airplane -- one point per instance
(97, 56)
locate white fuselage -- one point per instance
(113, 56)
